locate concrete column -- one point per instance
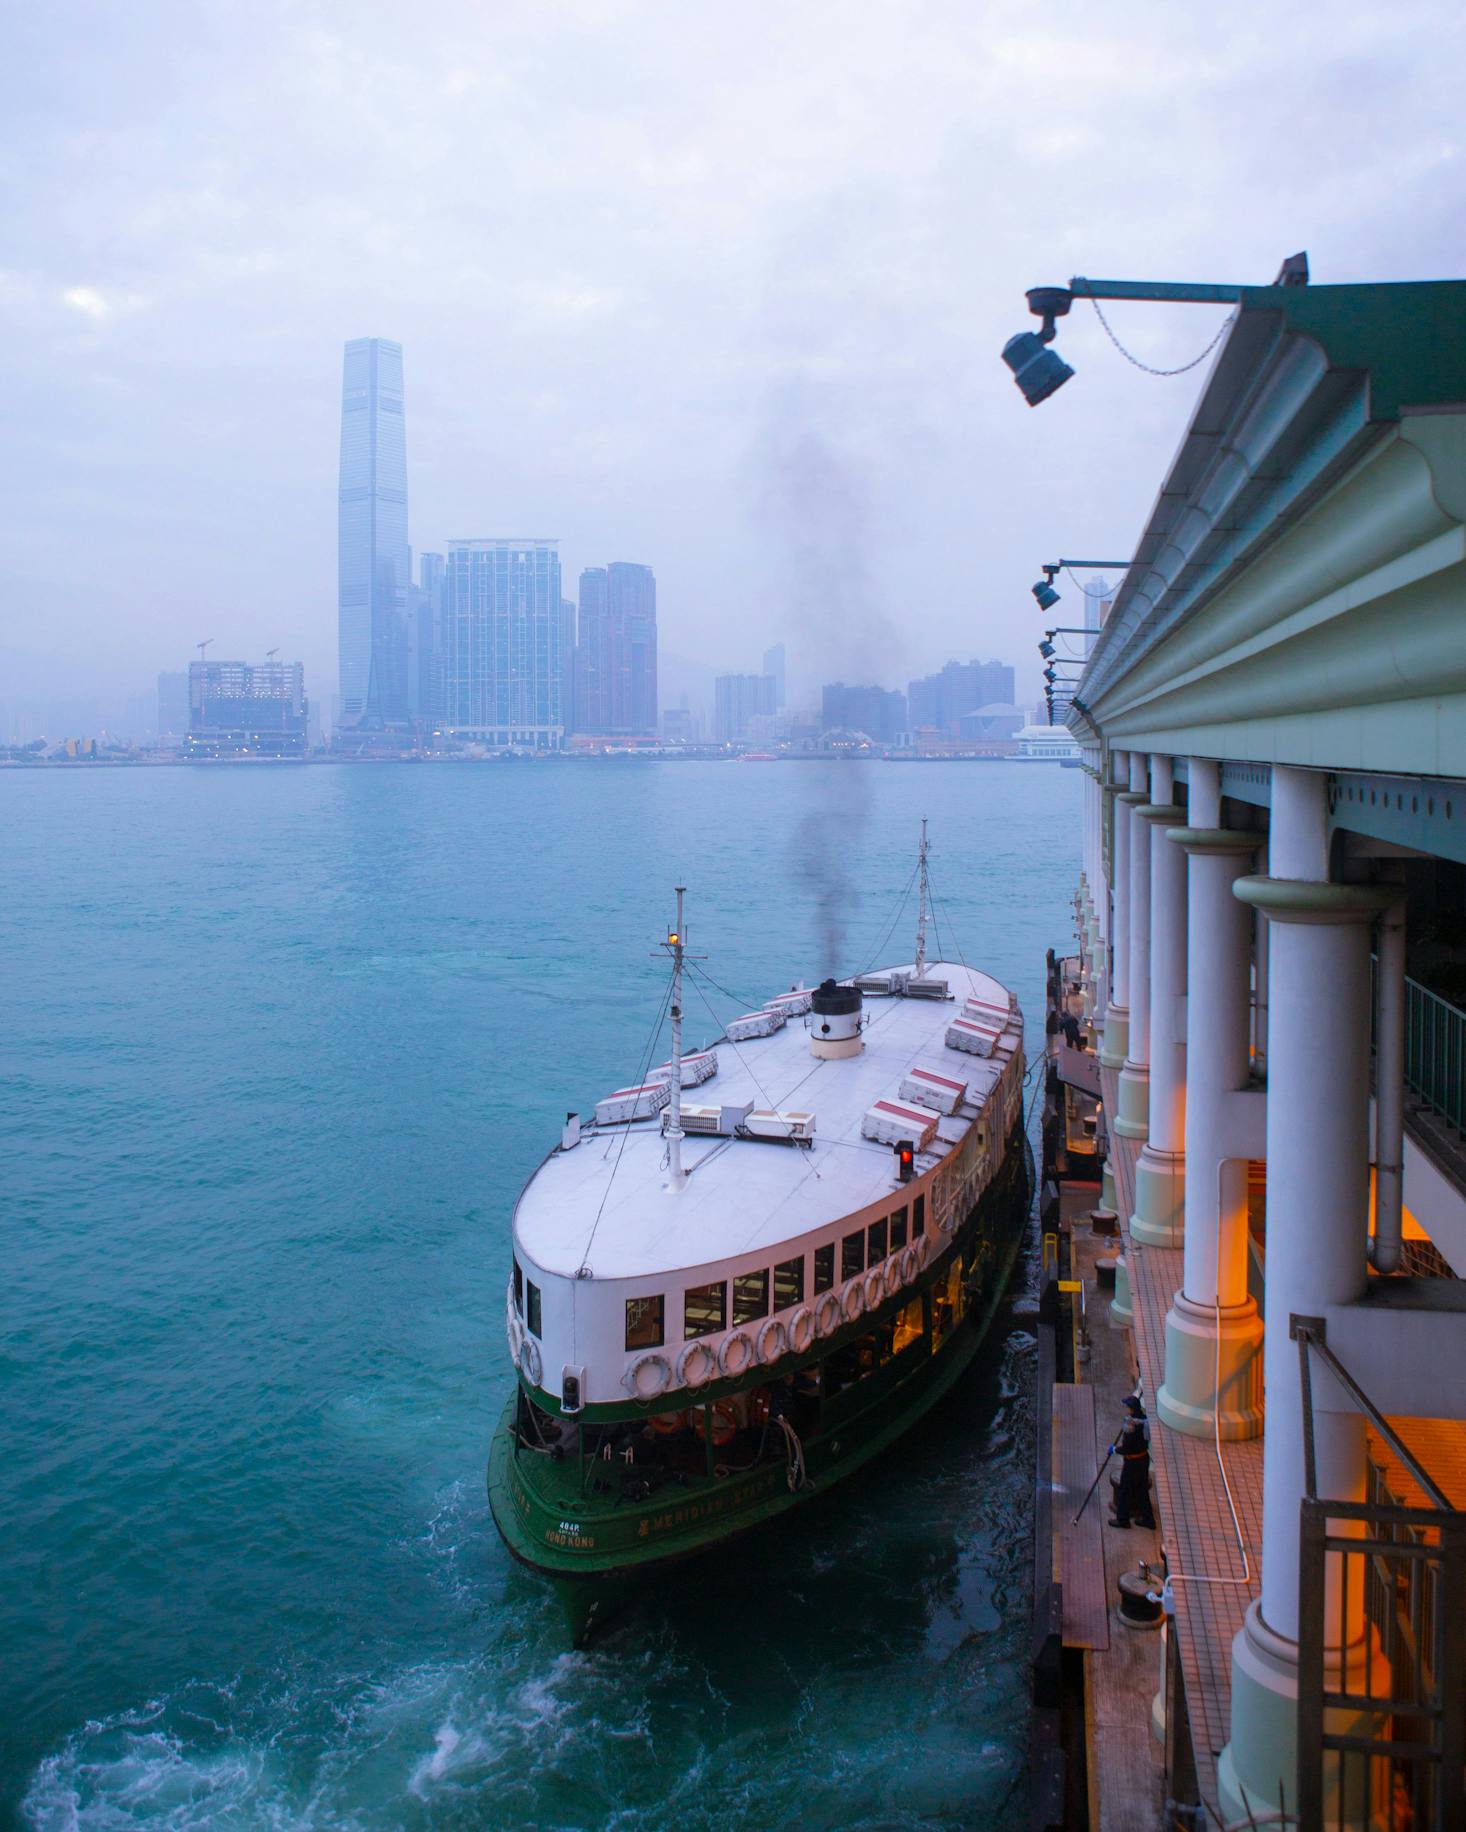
(1317, 1227)
(1213, 1380)
(1130, 1120)
(1117, 1008)
(1159, 1218)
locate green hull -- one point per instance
(593, 1545)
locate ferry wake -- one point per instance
(757, 1267)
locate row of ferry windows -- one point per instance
(706, 1309)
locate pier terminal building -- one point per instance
(1270, 988)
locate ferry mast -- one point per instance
(676, 1175)
(920, 972)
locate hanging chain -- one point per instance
(1222, 330)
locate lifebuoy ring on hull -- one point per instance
(773, 1341)
(736, 1354)
(696, 1365)
(531, 1362)
(648, 1377)
(853, 1302)
(827, 1314)
(724, 1422)
(801, 1329)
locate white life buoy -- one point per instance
(874, 1287)
(801, 1329)
(515, 1332)
(827, 1314)
(923, 1251)
(773, 1341)
(736, 1354)
(648, 1376)
(910, 1265)
(696, 1365)
(894, 1279)
(853, 1300)
(531, 1363)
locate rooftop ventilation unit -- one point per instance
(927, 988)
(882, 985)
(781, 1127)
(712, 1122)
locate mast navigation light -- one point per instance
(905, 1161)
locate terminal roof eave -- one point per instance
(1309, 382)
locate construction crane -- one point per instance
(204, 645)
(270, 654)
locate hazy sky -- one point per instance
(720, 289)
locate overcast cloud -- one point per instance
(632, 248)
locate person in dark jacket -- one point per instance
(1132, 1497)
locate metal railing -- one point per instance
(1435, 1052)
(1435, 1047)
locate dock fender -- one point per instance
(696, 1365)
(648, 1376)
(531, 1363)
(827, 1314)
(773, 1341)
(736, 1354)
(853, 1300)
(874, 1288)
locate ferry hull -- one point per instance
(594, 1552)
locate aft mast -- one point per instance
(676, 1175)
(920, 972)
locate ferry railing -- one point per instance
(1381, 1719)
(1435, 1049)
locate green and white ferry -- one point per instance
(757, 1267)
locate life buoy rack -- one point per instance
(827, 1315)
(773, 1341)
(801, 1329)
(736, 1354)
(531, 1362)
(873, 1288)
(722, 1420)
(647, 1377)
(853, 1300)
(696, 1365)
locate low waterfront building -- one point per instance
(243, 709)
(1273, 942)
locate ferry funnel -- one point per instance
(835, 1021)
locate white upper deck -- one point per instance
(604, 1205)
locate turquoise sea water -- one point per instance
(279, 1047)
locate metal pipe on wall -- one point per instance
(1385, 1250)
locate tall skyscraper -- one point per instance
(424, 639)
(373, 563)
(501, 665)
(616, 652)
(737, 698)
(942, 699)
(879, 712)
(774, 665)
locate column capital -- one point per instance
(1309, 900)
(1137, 798)
(1214, 839)
(1161, 814)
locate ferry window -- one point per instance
(750, 1296)
(908, 1325)
(646, 1322)
(789, 1283)
(518, 1288)
(918, 1217)
(824, 1268)
(898, 1230)
(532, 1309)
(852, 1255)
(876, 1240)
(704, 1310)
